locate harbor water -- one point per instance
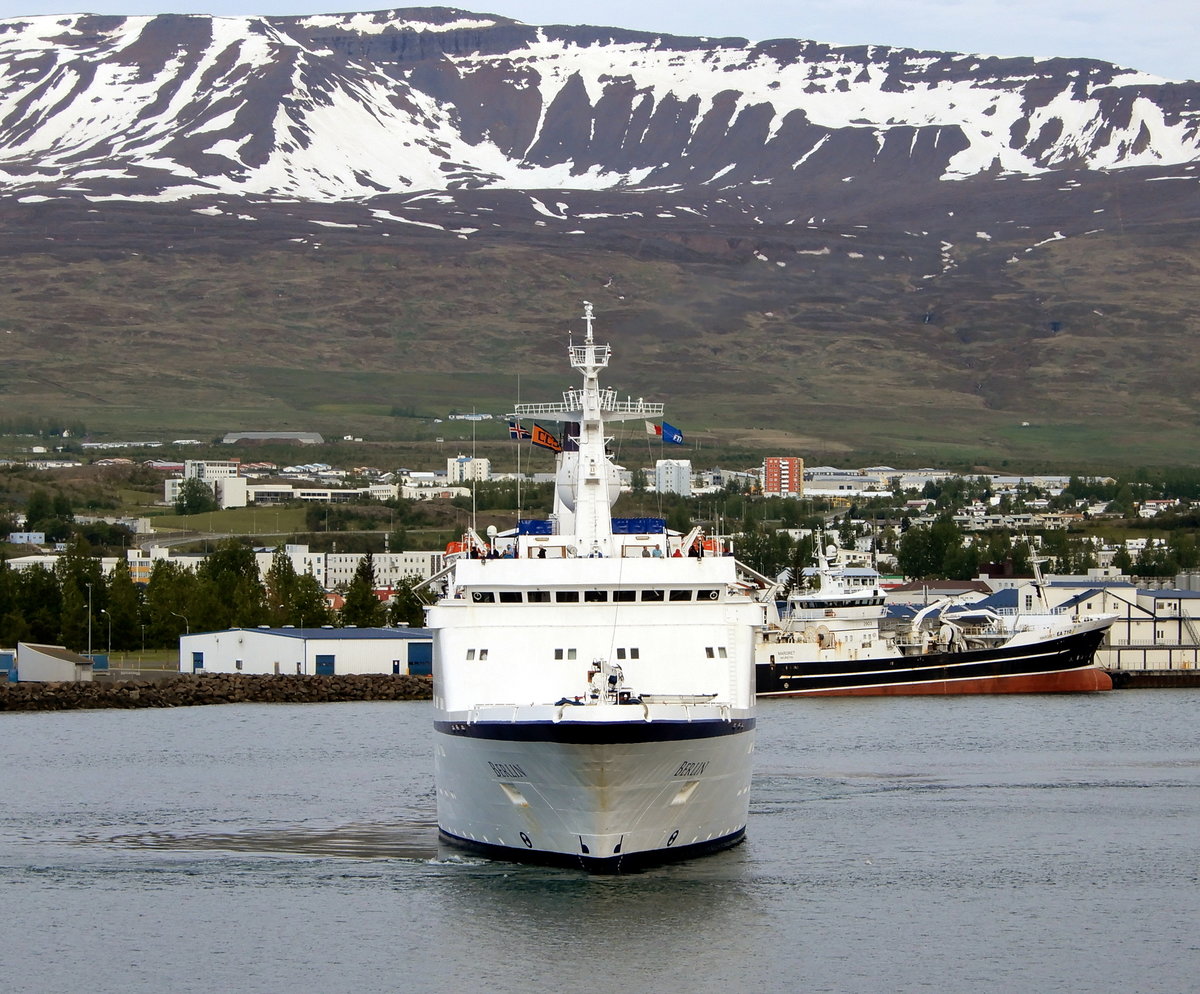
(1017, 844)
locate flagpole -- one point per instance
(518, 441)
(473, 472)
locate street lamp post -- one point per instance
(89, 586)
(187, 629)
(104, 611)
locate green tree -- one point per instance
(1122, 561)
(76, 623)
(913, 554)
(759, 549)
(38, 510)
(195, 497)
(62, 507)
(40, 599)
(281, 587)
(309, 608)
(362, 607)
(10, 610)
(961, 562)
(124, 600)
(407, 607)
(169, 603)
(679, 519)
(801, 558)
(230, 593)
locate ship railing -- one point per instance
(815, 614)
(573, 404)
(1148, 644)
(1015, 612)
(587, 355)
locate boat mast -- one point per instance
(587, 481)
(593, 522)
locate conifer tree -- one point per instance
(363, 608)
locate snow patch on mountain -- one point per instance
(349, 106)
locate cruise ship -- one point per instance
(593, 677)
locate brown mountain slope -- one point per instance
(867, 341)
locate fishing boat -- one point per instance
(830, 639)
(593, 677)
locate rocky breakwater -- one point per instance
(220, 688)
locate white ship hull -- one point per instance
(605, 795)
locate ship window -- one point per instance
(510, 597)
(652, 595)
(483, 597)
(707, 595)
(538, 596)
(470, 653)
(708, 651)
(595, 596)
(570, 653)
(721, 652)
(483, 654)
(558, 653)
(620, 653)
(681, 595)
(566, 596)
(624, 595)
(633, 654)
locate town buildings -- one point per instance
(783, 476)
(673, 476)
(308, 651)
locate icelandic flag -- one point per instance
(516, 431)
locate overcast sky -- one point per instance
(1157, 36)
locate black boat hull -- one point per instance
(1057, 665)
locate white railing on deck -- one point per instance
(608, 403)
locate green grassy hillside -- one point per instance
(840, 344)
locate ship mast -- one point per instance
(587, 482)
(593, 523)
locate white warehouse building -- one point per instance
(321, 651)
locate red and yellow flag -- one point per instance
(545, 439)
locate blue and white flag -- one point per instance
(670, 434)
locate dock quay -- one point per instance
(1142, 679)
(223, 688)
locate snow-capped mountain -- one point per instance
(348, 107)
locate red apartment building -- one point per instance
(783, 476)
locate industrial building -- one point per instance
(51, 664)
(322, 651)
